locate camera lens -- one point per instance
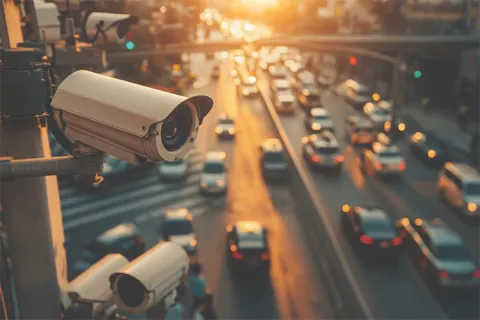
(176, 128)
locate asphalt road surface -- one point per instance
(139, 196)
(399, 293)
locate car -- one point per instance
(309, 98)
(304, 80)
(386, 105)
(124, 239)
(439, 253)
(249, 86)
(356, 93)
(325, 79)
(285, 103)
(177, 227)
(272, 159)
(370, 229)
(376, 114)
(359, 131)
(322, 151)
(395, 126)
(429, 147)
(175, 170)
(280, 85)
(247, 247)
(213, 178)
(459, 185)
(215, 72)
(383, 139)
(318, 120)
(278, 71)
(383, 160)
(225, 127)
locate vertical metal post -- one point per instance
(28, 205)
(397, 90)
(468, 14)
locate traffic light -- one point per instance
(129, 44)
(417, 74)
(352, 60)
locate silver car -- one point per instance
(176, 170)
(213, 179)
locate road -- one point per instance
(399, 293)
(139, 196)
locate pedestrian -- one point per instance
(198, 286)
(205, 310)
(177, 310)
(463, 116)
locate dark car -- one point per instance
(429, 148)
(371, 230)
(439, 253)
(177, 227)
(247, 247)
(322, 151)
(397, 127)
(272, 159)
(308, 99)
(124, 239)
(359, 131)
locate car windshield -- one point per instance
(381, 112)
(327, 150)
(282, 85)
(225, 121)
(452, 252)
(174, 163)
(389, 154)
(178, 227)
(213, 167)
(320, 117)
(276, 157)
(364, 130)
(472, 188)
(377, 225)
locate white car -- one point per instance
(278, 72)
(281, 85)
(177, 227)
(383, 160)
(213, 178)
(176, 170)
(318, 120)
(285, 103)
(378, 115)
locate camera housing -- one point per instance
(94, 283)
(131, 122)
(47, 17)
(150, 279)
(115, 26)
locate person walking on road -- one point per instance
(198, 286)
(206, 311)
(463, 116)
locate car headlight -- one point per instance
(231, 131)
(387, 126)
(316, 126)
(401, 127)
(472, 207)
(203, 184)
(431, 154)
(220, 183)
(218, 130)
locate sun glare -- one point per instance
(260, 3)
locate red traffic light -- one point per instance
(352, 60)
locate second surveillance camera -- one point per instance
(128, 121)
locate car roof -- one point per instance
(324, 139)
(441, 234)
(272, 144)
(368, 213)
(286, 97)
(119, 231)
(463, 170)
(314, 112)
(355, 85)
(248, 227)
(385, 104)
(215, 156)
(363, 123)
(313, 91)
(224, 116)
(380, 147)
(177, 214)
(281, 81)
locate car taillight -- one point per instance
(442, 274)
(378, 166)
(397, 241)
(265, 256)
(316, 158)
(366, 239)
(402, 166)
(476, 274)
(340, 158)
(237, 255)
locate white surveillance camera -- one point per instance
(94, 284)
(114, 25)
(128, 121)
(47, 17)
(150, 279)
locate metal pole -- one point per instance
(29, 206)
(26, 205)
(468, 14)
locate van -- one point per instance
(459, 185)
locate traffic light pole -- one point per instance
(27, 203)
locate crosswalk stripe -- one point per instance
(134, 195)
(142, 205)
(187, 203)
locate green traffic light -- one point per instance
(417, 74)
(130, 45)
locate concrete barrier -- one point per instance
(344, 292)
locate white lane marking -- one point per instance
(142, 218)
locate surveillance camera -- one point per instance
(114, 25)
(94, 284)
(131, 122)
(150, 279)
(47, 17)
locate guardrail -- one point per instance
(341, 286)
